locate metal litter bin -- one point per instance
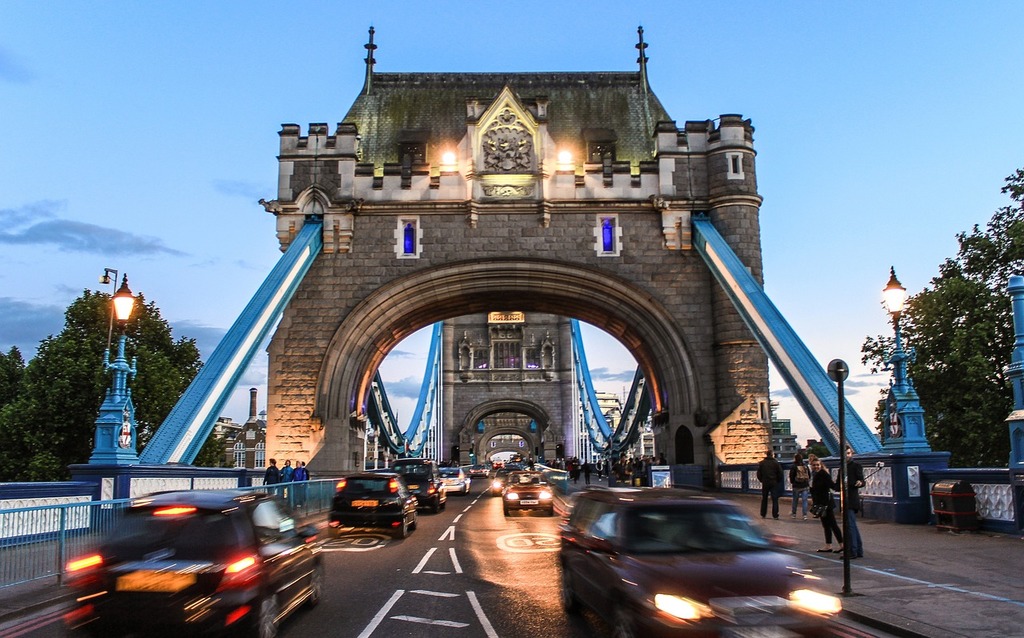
(955, 506)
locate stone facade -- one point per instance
(579, 207)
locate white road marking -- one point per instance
(430, 571)
(423, 561)
(427, 621)
(381, 614)
(441, 594)
(455, 560)
(456, 520)
(488, 628)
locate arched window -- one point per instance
(239, 454)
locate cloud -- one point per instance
(407, 388)
(207, 337)
(404, 354)
(607, 376)
(12, 70)
(24, 325)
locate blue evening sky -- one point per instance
(139, 136)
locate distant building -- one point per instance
(783, 440)
(245, 445)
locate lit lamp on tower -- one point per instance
(115, 427)
(903, 422)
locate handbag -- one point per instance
(817, 511)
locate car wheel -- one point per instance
(623, 626)
(415, 523)
(506, 511)
(444, 504)
(316, 586)
(551, 511)
(570, 603)
(403, 529)
(266, 618)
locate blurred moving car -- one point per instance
(498, 481)
(455, 480)
(373, 499)
(527, 491)
(478, 471)
(423, 478)
(197, 562)
(664, 562)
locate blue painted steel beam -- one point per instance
(634, 414)
(806, 379)
(598, 430)
(184, 431)
(382, 417)
(423, 416)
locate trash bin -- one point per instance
(955, 506)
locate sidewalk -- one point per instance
(914, 579)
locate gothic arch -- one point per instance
(398, 309)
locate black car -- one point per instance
(424, 480)
(373, 499)
(527, 491)
(665, 562)
(197, 563)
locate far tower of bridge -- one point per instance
(443, 195)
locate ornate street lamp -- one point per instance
(115, 439)
(903, 423)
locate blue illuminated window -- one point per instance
(409, 239)
(608, 235)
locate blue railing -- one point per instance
(36, 542)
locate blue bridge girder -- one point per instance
(186, 428)
(816, 393)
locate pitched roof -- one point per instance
(436, 103)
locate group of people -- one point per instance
(812, 479)
(286, 474)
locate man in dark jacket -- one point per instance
(769, 473)
(272, 475)
(854, 481)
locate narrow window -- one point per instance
(408, 238)
(608, 236)
(735, 165)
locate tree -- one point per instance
(50, 424)
(12, 368)
(961, 328)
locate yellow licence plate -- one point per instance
(414, 486)
(365, 503)
(146, 580)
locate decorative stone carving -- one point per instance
(507, 145)
(507, 191)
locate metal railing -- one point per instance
(37, 542)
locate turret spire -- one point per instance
(370, 48)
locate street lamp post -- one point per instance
(903, 424)
(115, 439)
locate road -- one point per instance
(467, 571)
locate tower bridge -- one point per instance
(445, 196)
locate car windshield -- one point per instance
(683, 530)
(413, 470)
(367, 485)
(191, 535)
(450, 472)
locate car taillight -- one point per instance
(431, 489)
(240, 573)
(393, 486)
(340, 485)
(174, 511)
(84, 563)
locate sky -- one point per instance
(139, 136)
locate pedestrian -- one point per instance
(769, 473)
(287, 472)
(854, 481)
(587, 469)
(822, 487)
(300, 475)
(800, 483)
(272, 475)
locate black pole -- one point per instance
(838, 370)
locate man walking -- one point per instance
(854, 481)
(769, 473)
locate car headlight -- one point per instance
(511, 496)
(545, 495)
(496, 485)
(816, 602)
(682, 608)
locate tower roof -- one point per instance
(401, 107)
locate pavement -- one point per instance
(913, 581)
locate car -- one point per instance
(478, 471)
(424, 480)
(669, 562)
(195, 563)
(527, 491)
(498, 482)
(455, 480)
(373, 499)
